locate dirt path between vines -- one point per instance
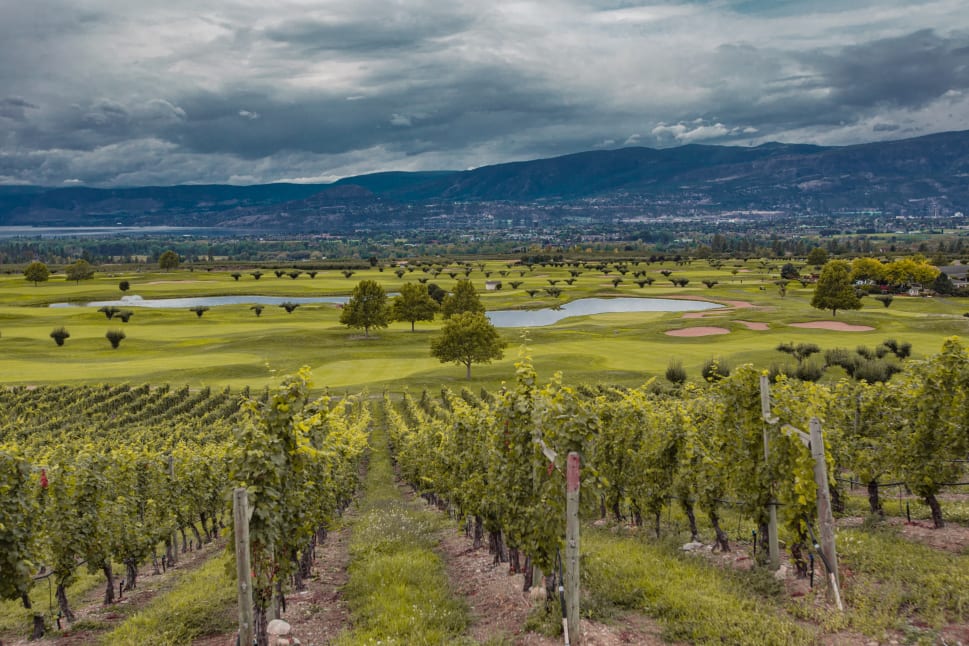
(499, 607)
(95, 619)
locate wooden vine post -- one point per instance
(825, 517)
(572, 637)
(815, 443)
(773, 544)
(240, 517)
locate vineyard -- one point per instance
(97, 478)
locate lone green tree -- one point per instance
(80, 270)
(168, 260)
(834, 290)
(467, 338)
(464, 298)
(414, 304)
(367, 307)
(37, 272)
(817, 256)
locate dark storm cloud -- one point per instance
(196, 91)
(908, 71)
(403, 30)
(15, 107)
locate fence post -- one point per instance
(773, 544)
(572, 548)
(825, 518)
(240, 517)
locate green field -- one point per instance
(229, 345)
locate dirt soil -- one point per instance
(499, 607)
(951, 538)
(90, 608)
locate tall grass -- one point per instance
(201, 603)
(694, 601)
(398, 591)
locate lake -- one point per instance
(585, 306)
(500, 318)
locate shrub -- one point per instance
(109, 311)
(714, 370)
(236, 276)
(866, 353)
(279, 273)
(809, 370)
(874, 371)
(294, 274)
(124, 285)
(124, 315)
(885, 299)
(257, 309)
(199, 310)
(289, 307)
(59, 334)
(256, 274)
(115, 337)
(312, 274)
(675, 373)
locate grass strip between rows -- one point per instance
(398, 591)
(694, 601)
(202, 602)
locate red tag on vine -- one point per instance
(550, 468)
(43, 478)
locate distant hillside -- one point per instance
(883, 175)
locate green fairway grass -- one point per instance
(230, 345)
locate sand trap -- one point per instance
(698, 331)
(837, 326)
(754, 325)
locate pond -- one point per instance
(500, 318)
(585, 306)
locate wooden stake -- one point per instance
(240, 516)
(572, 550)
(773, 544)
(825, 518)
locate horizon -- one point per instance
(458, 170)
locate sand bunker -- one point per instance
(698, 331)
(754, 325)
(837, 326)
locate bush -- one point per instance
(109, 311)
(199, 310)
(885, 299)
(124, 285)
(675, 373)
(59, 334)
(124, 315)
(809, 370)
(289, 307)
(257, 309)
(115, 337)
(714, 370)
(875, 371)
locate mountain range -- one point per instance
(893, 176)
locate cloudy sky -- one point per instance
(134, 92)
